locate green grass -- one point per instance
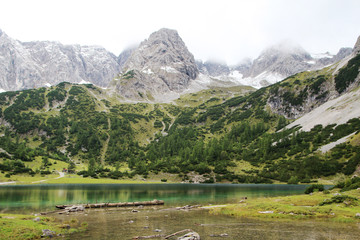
(294, 208)
(15, 226)
(220, 93)
(75, 179)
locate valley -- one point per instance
(156, 115)
(201, 137)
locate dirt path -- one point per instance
(60, 173)
(6, 183)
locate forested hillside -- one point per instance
(212, 134)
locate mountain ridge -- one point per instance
(160, 65)
(211, 134)
(27, 65)
(44, 63)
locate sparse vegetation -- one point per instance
(347, 74)
(14, 226)
(318, 206)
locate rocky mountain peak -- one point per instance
(163, 50)
(25, 65)
(213, 68)
(285, 59)
(161, 64)
(286, 47)
(356, 49)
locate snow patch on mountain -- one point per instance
(169, 69)
(148, 71)
(84, 82)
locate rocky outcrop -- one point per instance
(285, 59)
(37, 64)
(213, 68)
(124, 56)
(329, 96)
(273, 65)
(161, 65)
(356, 50)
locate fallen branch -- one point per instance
(185, 230)
(147, 237)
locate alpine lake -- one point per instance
(127, 223)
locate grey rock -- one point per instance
(37, 219)
(273, 64)
(213, 68)
(356, 50)
(124, 56)
(160, 65)
(25, 65)
(48, 233)
(285, 59)
(219, 235)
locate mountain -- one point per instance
(273, 65)
(124, 56)
(25, 65)
(160, 68)
(284, 59)
(291, 131)
(213, 68)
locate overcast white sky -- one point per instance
(227, 30)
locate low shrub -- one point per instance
(314, 187)
(341, 199)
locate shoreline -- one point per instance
(296, 207)
(7, 183)
(75, 179)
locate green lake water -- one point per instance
(124, 223)
(29, 198)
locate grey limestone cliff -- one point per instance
(26, 65)
(161, 66)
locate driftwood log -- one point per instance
(148, 237)
(171, 235)
(124, 204)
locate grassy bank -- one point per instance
(316, 206)
(15, 226)
(76, 179)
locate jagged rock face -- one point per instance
(336, 82)
(284, 59)
(243, 67)
(161, 64)
(330, 59)
(356, 50)
(38, 64)
(273, 65)
(124, 56)
(212, 68)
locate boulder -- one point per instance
(48, 233)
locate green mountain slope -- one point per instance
(215, 135)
